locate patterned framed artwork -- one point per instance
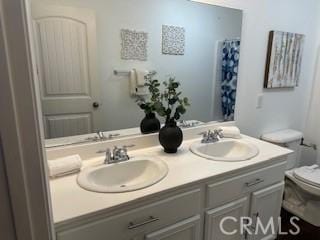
(173, 40)
(134, 45)
(284, 59)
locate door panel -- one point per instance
(185, 230)
(266, 206)
(66, 60)
(63, 57)
(214, 218)
(68, 125)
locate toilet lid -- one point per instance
(310, 175)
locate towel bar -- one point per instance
(125, 72)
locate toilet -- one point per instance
(302, 188)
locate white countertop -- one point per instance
(71, 201)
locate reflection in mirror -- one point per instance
(93, 56)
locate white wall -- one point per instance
(281, 108)
(312, 126)
(204, 24)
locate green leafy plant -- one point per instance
(148, 105)
(170, 104)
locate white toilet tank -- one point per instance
(287, 138)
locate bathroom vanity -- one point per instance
(189, 203)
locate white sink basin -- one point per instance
(228, 150)
(123, 177)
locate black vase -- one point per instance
(150, 124)
(170, 137)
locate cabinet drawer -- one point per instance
(134, 222)
(231, 189)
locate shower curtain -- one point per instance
(312, 130)
(230, 63)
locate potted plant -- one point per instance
(171, 106)
(150, 123)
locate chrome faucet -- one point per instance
(98, 137)
(117, 155)
(188, 124)
(212, 137)
(101, 137)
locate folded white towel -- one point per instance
(133, 82)
(231, 132)
(141, 74)
(64, 166)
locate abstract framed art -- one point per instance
(284, 59)
(134, 45)
(173, 40)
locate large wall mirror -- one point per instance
(92, 56)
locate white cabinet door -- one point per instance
(66, 59)
(186, 230)
(265, 212)
(223, 223)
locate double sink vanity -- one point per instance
(183, 196)
(116, 67)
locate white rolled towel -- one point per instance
(231, 132)
(64, 166)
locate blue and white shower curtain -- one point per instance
(230, 63)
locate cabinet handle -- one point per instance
(254, 227)
(151, 219)
(255, 182)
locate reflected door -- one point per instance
(65, 40)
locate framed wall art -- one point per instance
(173, 40)
(134, 45)
(284, 59)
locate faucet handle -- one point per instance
(111, 136)
(219, 132)
(125, 148)
(101, 135)
(120, 154)
(115, 150)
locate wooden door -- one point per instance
(223, 223)
(265, 208)
(66, 60)
(186, 230)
